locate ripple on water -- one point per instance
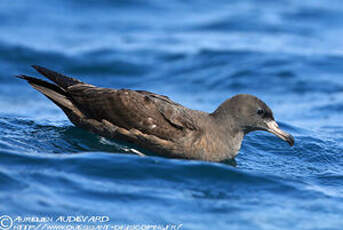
(199, 53)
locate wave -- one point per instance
(27, 135)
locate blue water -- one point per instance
(289, 53)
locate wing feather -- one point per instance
(149, 113)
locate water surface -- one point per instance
(199, 53)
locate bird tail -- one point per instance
(55, 93)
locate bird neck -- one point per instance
(226, 116)
(229, 132)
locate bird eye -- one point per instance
(260, 111)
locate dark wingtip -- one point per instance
(24, 77)
(39, 82)
(37, 67)
(28, 78)
(20, 76)
(60, 79)
(44, 71)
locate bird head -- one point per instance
(249, 114)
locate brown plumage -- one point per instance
(155, 122)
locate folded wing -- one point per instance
(139, 116)
(147, 112)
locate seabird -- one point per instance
(156, 123)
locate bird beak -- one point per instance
(273, 127)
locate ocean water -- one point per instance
(289, 53)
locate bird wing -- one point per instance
(150, 120)
(149, 113)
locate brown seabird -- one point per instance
(156, 123)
